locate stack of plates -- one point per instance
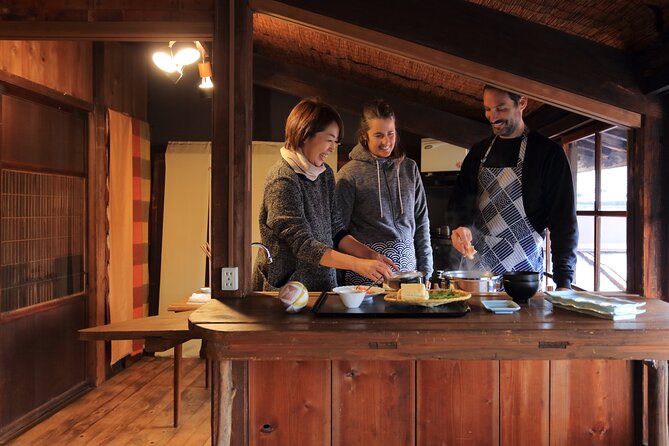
(614, 308)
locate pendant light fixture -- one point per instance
(179, 54)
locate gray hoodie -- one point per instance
(382, 201)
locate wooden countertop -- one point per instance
(257, 327)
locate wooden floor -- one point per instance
(132, 408)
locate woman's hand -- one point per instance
(373, 269)
(461, 239)
(381, 258)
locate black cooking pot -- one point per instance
(398, 278)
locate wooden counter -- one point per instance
(479, 379)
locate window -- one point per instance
(599, 165)
(42, 247)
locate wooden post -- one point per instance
(222, 399)
(658, 427)
(231, 144)
(177, 383)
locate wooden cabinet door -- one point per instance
(373, 403)
(289, 403)
(457, 403)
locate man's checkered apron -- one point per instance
(507, 241)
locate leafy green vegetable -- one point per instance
(442, 294)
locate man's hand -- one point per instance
(461, 239)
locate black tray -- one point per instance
(329, 305)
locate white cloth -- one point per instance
(199, 298)
(301, 164)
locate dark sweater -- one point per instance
(548, 194)
(298, 223)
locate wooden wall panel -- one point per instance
(43, 136)
(373, 402)
(289, 403)
(125, 78)
(524, 403)
(42, 359)
(63, 66)
(591, 403)
(460, 404)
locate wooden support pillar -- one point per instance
(658, 405)
(222, 398)
(647, 237)
(231, 144)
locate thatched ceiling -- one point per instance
(621, 24)
(365, 65)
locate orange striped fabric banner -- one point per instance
(129, 195)
(141, 196)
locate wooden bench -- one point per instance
(160, 333)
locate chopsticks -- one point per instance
(206, 249)
(374, 283)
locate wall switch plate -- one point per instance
(229, 278)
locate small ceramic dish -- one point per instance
(501, 306)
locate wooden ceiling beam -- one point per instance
(553, 122)
(139, 31)
(490, 46)
(347, 95)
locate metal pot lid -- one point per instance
(471, 275)
(407, 275)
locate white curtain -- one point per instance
(187, 191)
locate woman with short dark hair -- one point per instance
(299, 222)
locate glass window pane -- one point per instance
(585, 253)
(613, 254)
(614, 170)
(584, 152)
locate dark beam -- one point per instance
(653, 66)
(139, 31)
(347, 95)
(232, 56)
(553, 122)
(480, 43)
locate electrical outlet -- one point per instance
(229, 279)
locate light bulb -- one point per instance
(206, 83)
(185, 53)
(164, 61)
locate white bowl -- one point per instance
(350, 297)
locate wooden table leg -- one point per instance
(177, 383)
(658, 410)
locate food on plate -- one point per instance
(470, 252)
(370, 291)
(449, 294)
(413, 292)
(431, 298)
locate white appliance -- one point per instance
(439, 156)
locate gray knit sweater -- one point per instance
(298, 222)
(369, 201)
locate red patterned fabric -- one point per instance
(141, 195)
